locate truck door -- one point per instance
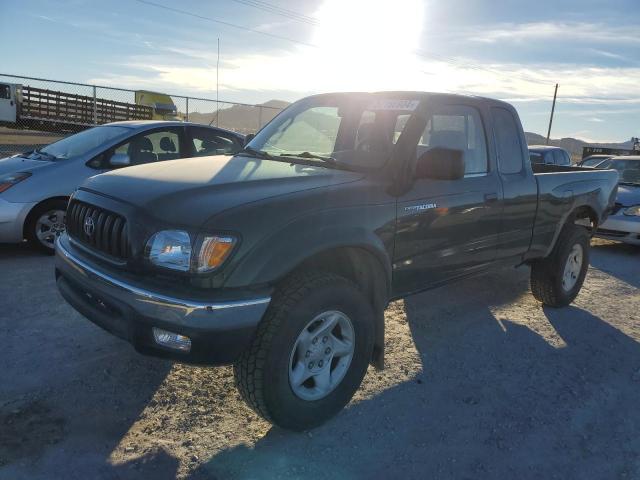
(520, 189)
(448, 228)
(8, 106)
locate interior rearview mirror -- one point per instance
(248, 138)
(441, 163)
(119, 160)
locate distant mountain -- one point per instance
(572, 145)
(241, 118)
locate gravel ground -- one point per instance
(481, 382)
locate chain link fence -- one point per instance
(36, 111)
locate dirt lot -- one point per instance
(481, 383)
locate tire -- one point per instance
(264, 372)
(548, 282)
(41, 235)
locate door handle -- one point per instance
(490, 197)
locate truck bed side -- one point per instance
(566, 191)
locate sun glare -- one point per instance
(368, 41)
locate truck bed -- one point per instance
(563, 189)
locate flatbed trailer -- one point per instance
(23, 106)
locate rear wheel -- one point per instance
(45, 224)
(310, 352)
(557, 279)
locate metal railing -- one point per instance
(48, 110)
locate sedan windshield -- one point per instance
(80, 143)
(343, 131)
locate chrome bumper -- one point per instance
(621, 227)
(219, 329)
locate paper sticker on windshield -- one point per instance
(394, 104)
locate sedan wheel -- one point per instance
(49, 226)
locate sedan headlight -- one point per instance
(632, 211)
(8, 181)
(172, 249)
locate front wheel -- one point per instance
(45, 224)
(310, 353)
(557, 279)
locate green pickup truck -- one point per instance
(282, 258)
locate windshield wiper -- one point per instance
(45, 154)
(326, 159)
(257, 153)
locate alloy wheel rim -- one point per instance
(321, 355)
(49, 226)
(572, 268)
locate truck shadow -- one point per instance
(494, 399)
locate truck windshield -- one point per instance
(352, 131)
(81, 142)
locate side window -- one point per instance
(508, 143)
(567, 158)
(207, 141)
(457, 127)
(150, 147)
(536, 157)
(5, 91)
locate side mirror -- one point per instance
(119, 160)
(441, 163)
(248, 138)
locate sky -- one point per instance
(284, 49)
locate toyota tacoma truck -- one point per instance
(282, 258)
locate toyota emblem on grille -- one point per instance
(89, 226)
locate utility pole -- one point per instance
(217, 83)
(553, 107)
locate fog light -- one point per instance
(171, 340)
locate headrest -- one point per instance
(167, 144)
(144, 144)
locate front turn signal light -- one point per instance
(213, 252)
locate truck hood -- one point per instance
(20, 164)
(189, 191)
(628, 195)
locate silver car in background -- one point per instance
(623, 223)
(35, 186)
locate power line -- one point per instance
(420, 53)
(221, 22)
(271, 8)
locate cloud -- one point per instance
(559, 31)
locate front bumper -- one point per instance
(219, 330)
(12, 217)
(623, 228)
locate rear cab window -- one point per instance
(508, 141)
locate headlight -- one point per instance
(170, 249)
(214, 251)
(8, 181)
(632, 211)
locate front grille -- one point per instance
(611, 233)
(98, 228)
